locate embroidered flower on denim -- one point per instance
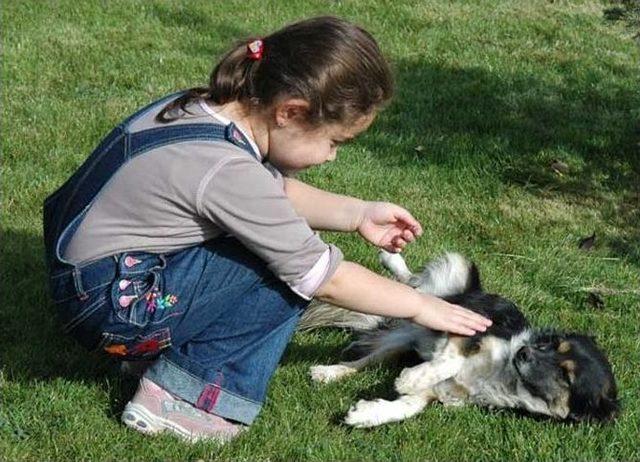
(118, 349)
(155, 301)
(148, 346)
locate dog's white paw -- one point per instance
(391, 261)
(326, 374)
(367, 414)
(395, 263)
(380, 411)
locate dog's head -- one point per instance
(569, 373)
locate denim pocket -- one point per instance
(132, 295)
(137, 293)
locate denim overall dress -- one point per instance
(212, 316)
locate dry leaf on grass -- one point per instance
(587, 243)
(594, 300)
(559, 167)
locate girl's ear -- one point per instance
(291, 110)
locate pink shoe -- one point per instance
(153, 410)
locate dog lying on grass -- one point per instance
(511, 365)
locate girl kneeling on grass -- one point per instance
(184, 240)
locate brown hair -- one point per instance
(332, 64)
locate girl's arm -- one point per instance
(384, 224)
(356, 288)
(324, 210)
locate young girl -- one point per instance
(185, 240)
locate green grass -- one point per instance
(493, 91)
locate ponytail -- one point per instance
(178, 105)
(332, 64)
(231, 80)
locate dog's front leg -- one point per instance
(378, 412)
(417, 379)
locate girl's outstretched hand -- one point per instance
(388, 226)
(441, 315)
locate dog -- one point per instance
(511, 365)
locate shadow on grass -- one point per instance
(32, 345)
(514, 126)
(312, 354)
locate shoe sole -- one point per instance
(141, 419)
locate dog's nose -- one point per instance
(524, 354)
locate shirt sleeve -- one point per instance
(249, 202)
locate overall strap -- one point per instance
(66, 209)
(152, 138)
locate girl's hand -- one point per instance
(388, 226)
(438, 314)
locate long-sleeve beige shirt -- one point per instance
(185, 193)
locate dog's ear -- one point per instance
(603, 408)
(594, 394)
(608, 409)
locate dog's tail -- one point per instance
(451, 274)
(320, 314)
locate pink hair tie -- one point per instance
(255, 49)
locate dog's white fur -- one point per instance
(441, 277)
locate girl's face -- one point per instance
(293, 146)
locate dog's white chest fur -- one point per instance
(479, 378)
(486, 378)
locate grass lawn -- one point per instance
(490, 94)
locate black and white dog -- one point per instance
(511, 365)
